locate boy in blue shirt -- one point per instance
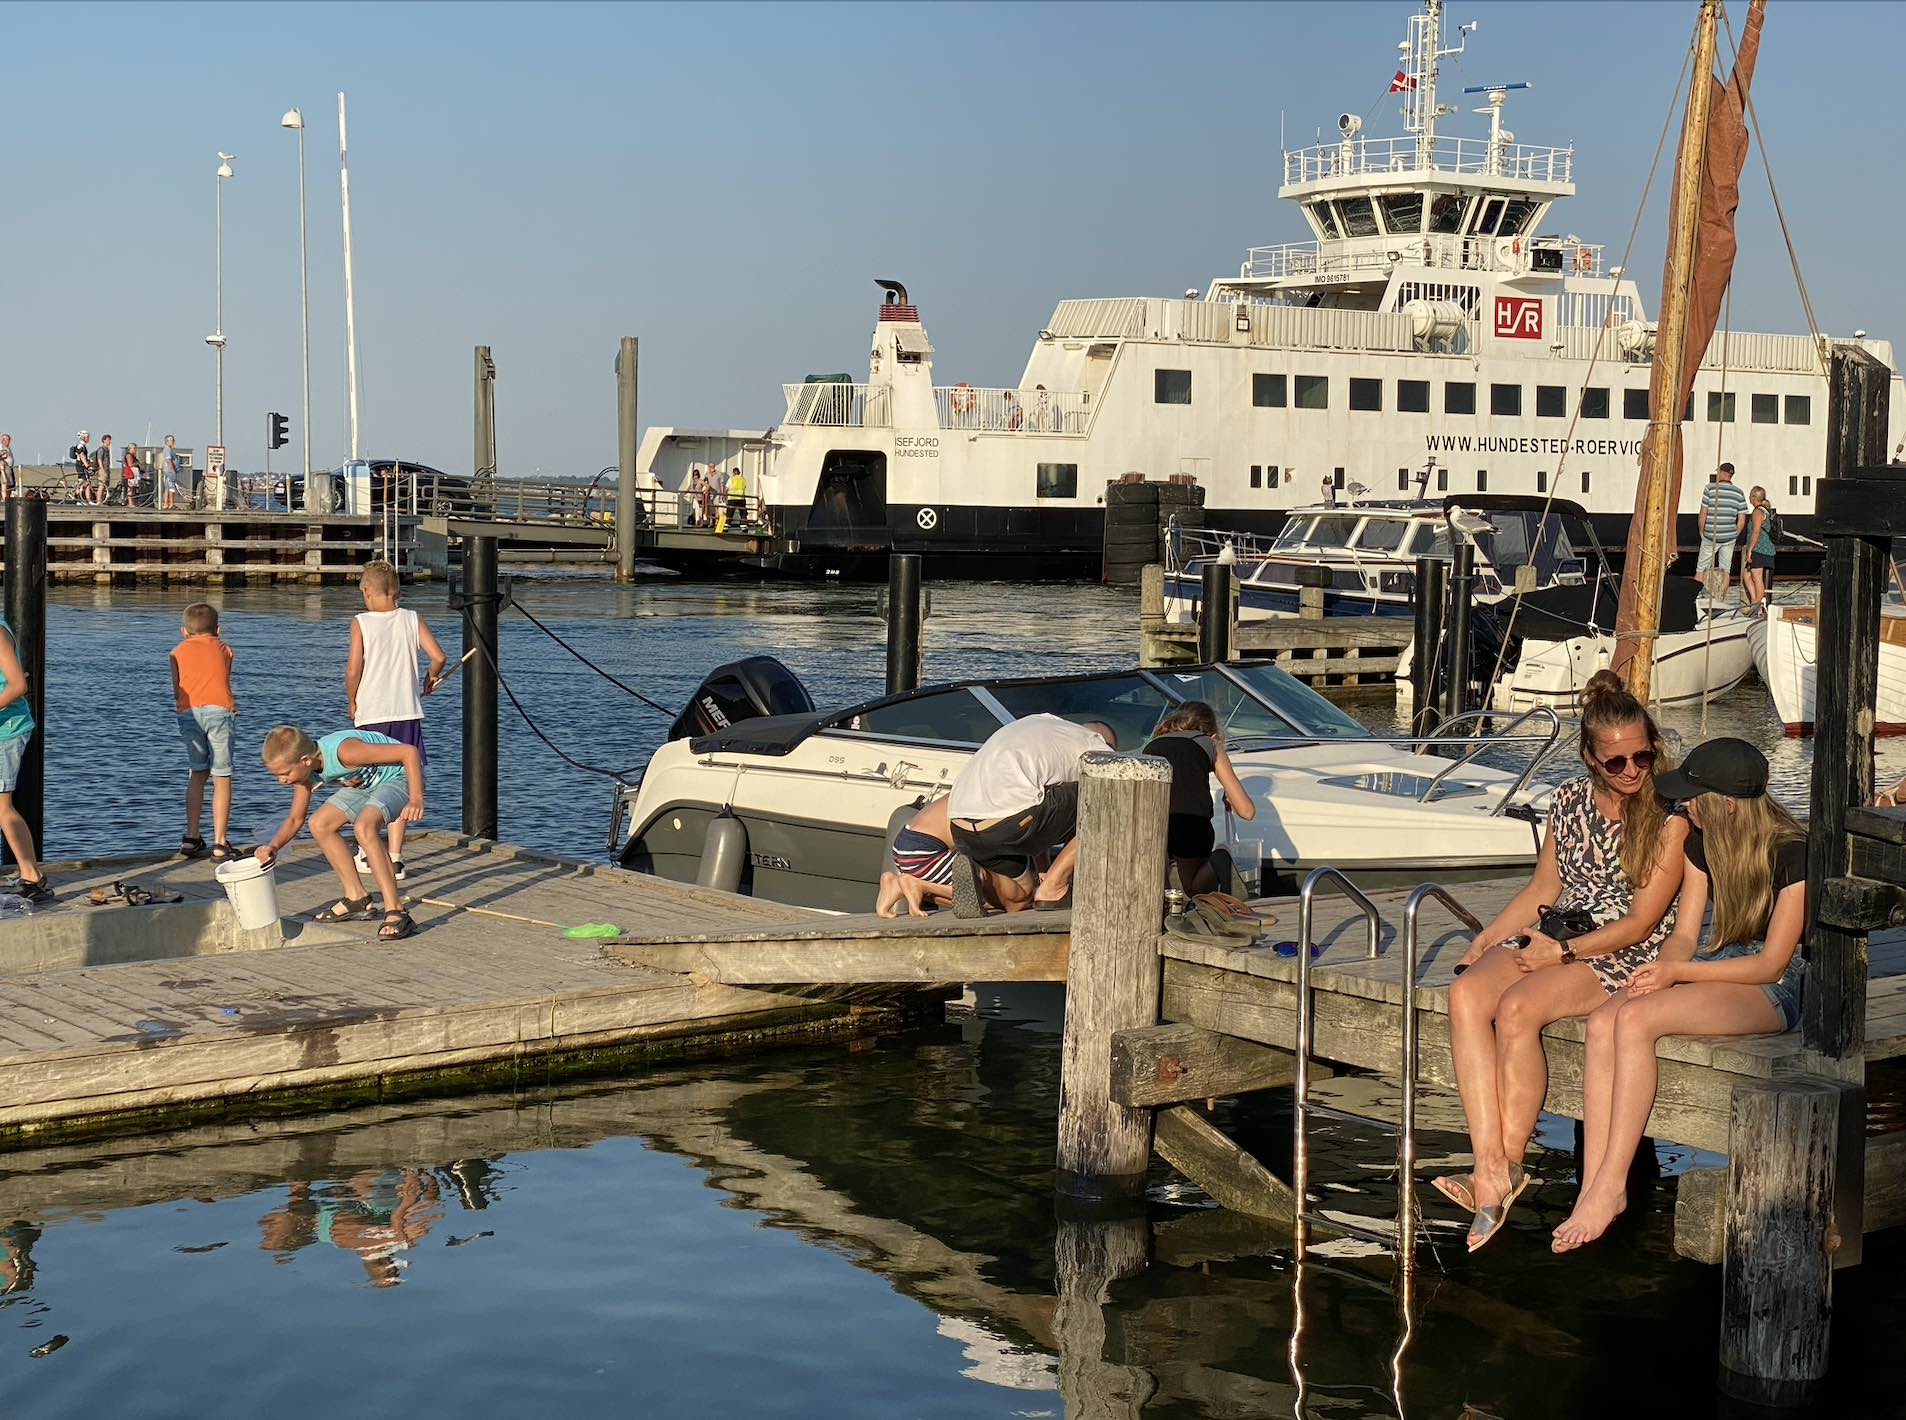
(378, 782)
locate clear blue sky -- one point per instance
(725, 181)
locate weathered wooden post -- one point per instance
(1432, 585)
(1112, 980)
(26, 614)
(1311, 584)
(1214, 614)
(628, 357)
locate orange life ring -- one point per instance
(962, 399)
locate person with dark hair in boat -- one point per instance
(1190, 741)
(1016, 798)
(1611, 863)
(1747, 855)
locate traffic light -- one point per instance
(277, 431)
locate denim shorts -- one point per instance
(207, 732)
(1785, 993)
(390, 798)
(12, 752)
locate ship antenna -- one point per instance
(1423, 54)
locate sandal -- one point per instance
(223, 852)
(397, 926)
(345, 909)
(1488, 1221)
(192, 847)
(1458, 1188)
(35, 892)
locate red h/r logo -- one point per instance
(1518, 318)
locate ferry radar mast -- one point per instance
(1423, 53)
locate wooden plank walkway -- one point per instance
(488, 982)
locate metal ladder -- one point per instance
(1402, 1243)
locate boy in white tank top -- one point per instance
(381, 679)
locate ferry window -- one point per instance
(1366, 394)
(1584, 480)
(1313, 391)
(1806, 484)
(1058, 480)
(1403, 480)
(1551, 402)
(1412, 396)
(1446, 212)
(953, 715)
(1800, 409)
(1336, 479)
(1766, 408)
(1482, 480)
(1459, 397)
(1403, 213)
(1357, 217)
(1269, 391)
(1270, 476)
(1487, 217)
(1720, 407)
(1382, 534)
(1516, 214)
(1595, 402)
(1793, 485)
(1325, 219)
(1257, 475)
(1634, 405)
(1505, 399)
(1442, 480)
(1171, 387)
(1541, 480)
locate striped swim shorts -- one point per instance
(922, 856)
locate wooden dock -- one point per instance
(1322, 650)
(489, 989)
(209, 548)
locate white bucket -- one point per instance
(251, 890)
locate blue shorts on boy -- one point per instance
(16, 731)
(363, 786)
(207, 732)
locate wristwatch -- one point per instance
(1568, 953)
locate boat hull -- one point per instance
(1787, 651)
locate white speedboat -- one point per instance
(1787, 649)
(799, 806)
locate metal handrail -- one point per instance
(1538, 712)
(1406, 1135)
(1300, 1170)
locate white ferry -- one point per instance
(1437, 315)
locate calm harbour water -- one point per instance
(817, 1233)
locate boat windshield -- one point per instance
(1130, 704)
(1331, 532)
(1292, 533)
(1382, 534)
(1268, 705)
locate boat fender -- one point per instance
(724, 853)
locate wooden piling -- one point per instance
(1118, 906)
(1777, 1282)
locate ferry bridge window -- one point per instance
(1764, 408)
(1131, 705)
(1269, 391)
(953, 715)
(1358, 217)
(1366, 394)
(1505, 399)
(1403, 213)
(1595, 402)
(1516, 215)
(1551, 402)
(1412, 396)
(1799, 409)
(1486, 218)
(1320, 213)
(1720, 407)
(1634, 405)
(1446, 212)
(1313, 391)
(1459, 397)
(1171, 387)
(1058, 480)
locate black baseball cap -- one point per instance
(1731, 767)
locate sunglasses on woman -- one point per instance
(1644, 760)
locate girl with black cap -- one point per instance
(1750, 856)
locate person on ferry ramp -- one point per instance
(1748, 855)
(737, 498)
(1611, 863)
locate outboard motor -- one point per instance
(741, 690)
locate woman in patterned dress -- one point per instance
(1611, 848)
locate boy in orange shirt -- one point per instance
(202, 692)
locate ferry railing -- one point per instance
(1014, 411)
(838, 405)
(1482, 157)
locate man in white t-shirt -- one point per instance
(1018, 799)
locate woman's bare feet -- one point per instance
(1594, 1211)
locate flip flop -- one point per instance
(1233, 907)
(1235, 929)
(967, 898)
(1488, 1221)
(1453, 1187)
(1195, 927)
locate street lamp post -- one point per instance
(313, 501)
(350, 305)
(217, 338)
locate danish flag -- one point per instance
(1403, 83)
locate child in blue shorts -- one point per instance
(378, 782)
(16, 729)
(202, 695)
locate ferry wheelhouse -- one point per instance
(1437, 319)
